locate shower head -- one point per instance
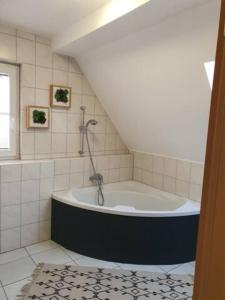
(91, 122)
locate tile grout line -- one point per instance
(30, 256)
(2, 287)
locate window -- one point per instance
(209, 67)
(9, 110)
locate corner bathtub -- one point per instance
(138, 224)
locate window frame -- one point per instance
(13, 71)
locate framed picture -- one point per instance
(37, 117)
(60, 96)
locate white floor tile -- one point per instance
(2, 295)
(14, 289)
(142, 268)
(40, 247)
(52, 256)
(168, 268)
(192, 263)
(12, 255)
(92, 262)
(16, 270)
(184, 269)
(72, 254)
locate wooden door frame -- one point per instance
(210, 263)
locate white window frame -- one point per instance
(12, 71)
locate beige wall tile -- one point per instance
(114, 175)
(158, 164)
(7, 47)
(27, 97)
(42, 142)
(147, 163)
(170, 167)
(28, 75)
(76, 102)
(86, 88)
(197, 173)
(61, 182)
(60, 77)
(61, 62)
(43, 78)
(89, 102)
(183, 170)
(25, 51)
(43, 55)
(29, 234)
(59, 122)
(10, 239)
(195, 191)
(73, 143)
(62, 166)
(138, 160)
(99, 110)
(27, 146)
(138, 174)
(147, 178)
(157, 181)
(182, 188)
(74, 122)
(99, 142)
(73, 66)
(59, 143)
(124, 174)
(10, 173)
(75, 82)
(42, 97)
(169, 184)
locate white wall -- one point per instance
(154, 86)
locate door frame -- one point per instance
(210, 262)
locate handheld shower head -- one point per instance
(91, 122)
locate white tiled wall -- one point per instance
(26, 188)
(180, 177)
(40, 67)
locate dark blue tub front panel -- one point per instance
(126, 239)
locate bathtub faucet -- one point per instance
(96, 179)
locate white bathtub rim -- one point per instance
(67, 197)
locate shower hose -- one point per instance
(100, 196)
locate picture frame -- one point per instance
(60, 96)
(37, 116)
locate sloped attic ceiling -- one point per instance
(153, 82)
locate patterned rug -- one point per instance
(62, 282)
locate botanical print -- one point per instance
(37, 117)
(60, 96)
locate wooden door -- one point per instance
(210, 266)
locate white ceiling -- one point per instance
(46, 17)
(146, 14)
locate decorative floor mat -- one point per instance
(62, 282)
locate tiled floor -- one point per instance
(16, 267)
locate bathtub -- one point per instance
(138, 224)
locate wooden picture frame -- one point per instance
(41, 120)
(60, 96)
